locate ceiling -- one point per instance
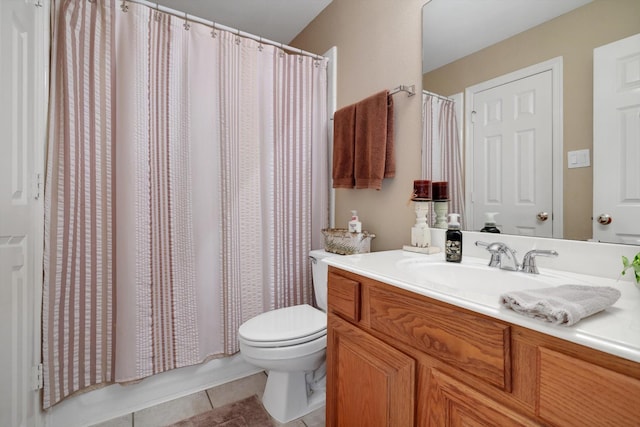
(276, 20)
(447, 24)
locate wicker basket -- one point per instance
(341, 241)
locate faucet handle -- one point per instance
(495, 250)
(529, 260)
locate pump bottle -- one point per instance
(490, 223)
(355, 226)
(453, 243)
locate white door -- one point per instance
(616, 141)
(512, 159)
(23, 55)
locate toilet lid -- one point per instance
(285, 326)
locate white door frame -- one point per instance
(332, 102)
(32, 42)
(555, 66)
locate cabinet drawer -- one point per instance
(474, 344)
(575, 392)
(344, 296)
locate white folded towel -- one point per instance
(561, 305)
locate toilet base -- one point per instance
(286, 398)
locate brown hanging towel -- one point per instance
(363, 151)
(344, 126)
(374, 159)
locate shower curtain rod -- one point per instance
(438, 96)
(214, 25)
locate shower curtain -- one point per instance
(181, 168)
(441, 149)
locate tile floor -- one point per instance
(185, 407)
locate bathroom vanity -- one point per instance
(404, 349)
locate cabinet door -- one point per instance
(452, 403)
(369, 383)
(576, 392)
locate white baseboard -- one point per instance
(117, 400)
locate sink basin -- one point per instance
(473, 277)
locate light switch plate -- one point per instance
(578, 159)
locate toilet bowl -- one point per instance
(290, 344)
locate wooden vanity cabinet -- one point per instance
(396, 358)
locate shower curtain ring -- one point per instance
(124, 6)
(186, 24)
(214, 34)
(260, 47)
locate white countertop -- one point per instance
(615, 330)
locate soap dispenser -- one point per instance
(453, 243)
(490, 223)
(355, 226)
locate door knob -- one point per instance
(542, 216)
(605, 219)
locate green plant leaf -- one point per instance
(635, 265)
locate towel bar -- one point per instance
(411, 90)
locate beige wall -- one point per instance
(378, 48)
(572, 36)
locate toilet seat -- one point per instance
(284, 327)
(284, 343)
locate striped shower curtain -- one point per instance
(78, 315)
(181, 166)
(268, 147)
(441, 149)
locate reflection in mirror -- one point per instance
(442, 161)
(503, 167)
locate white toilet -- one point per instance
(290, 343)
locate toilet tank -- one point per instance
(320, 272)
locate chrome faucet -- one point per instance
(499, 251)
(529, 260)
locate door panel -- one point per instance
(512, 139)
(616, 141)
(23, 52)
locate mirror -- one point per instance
(456, 56)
